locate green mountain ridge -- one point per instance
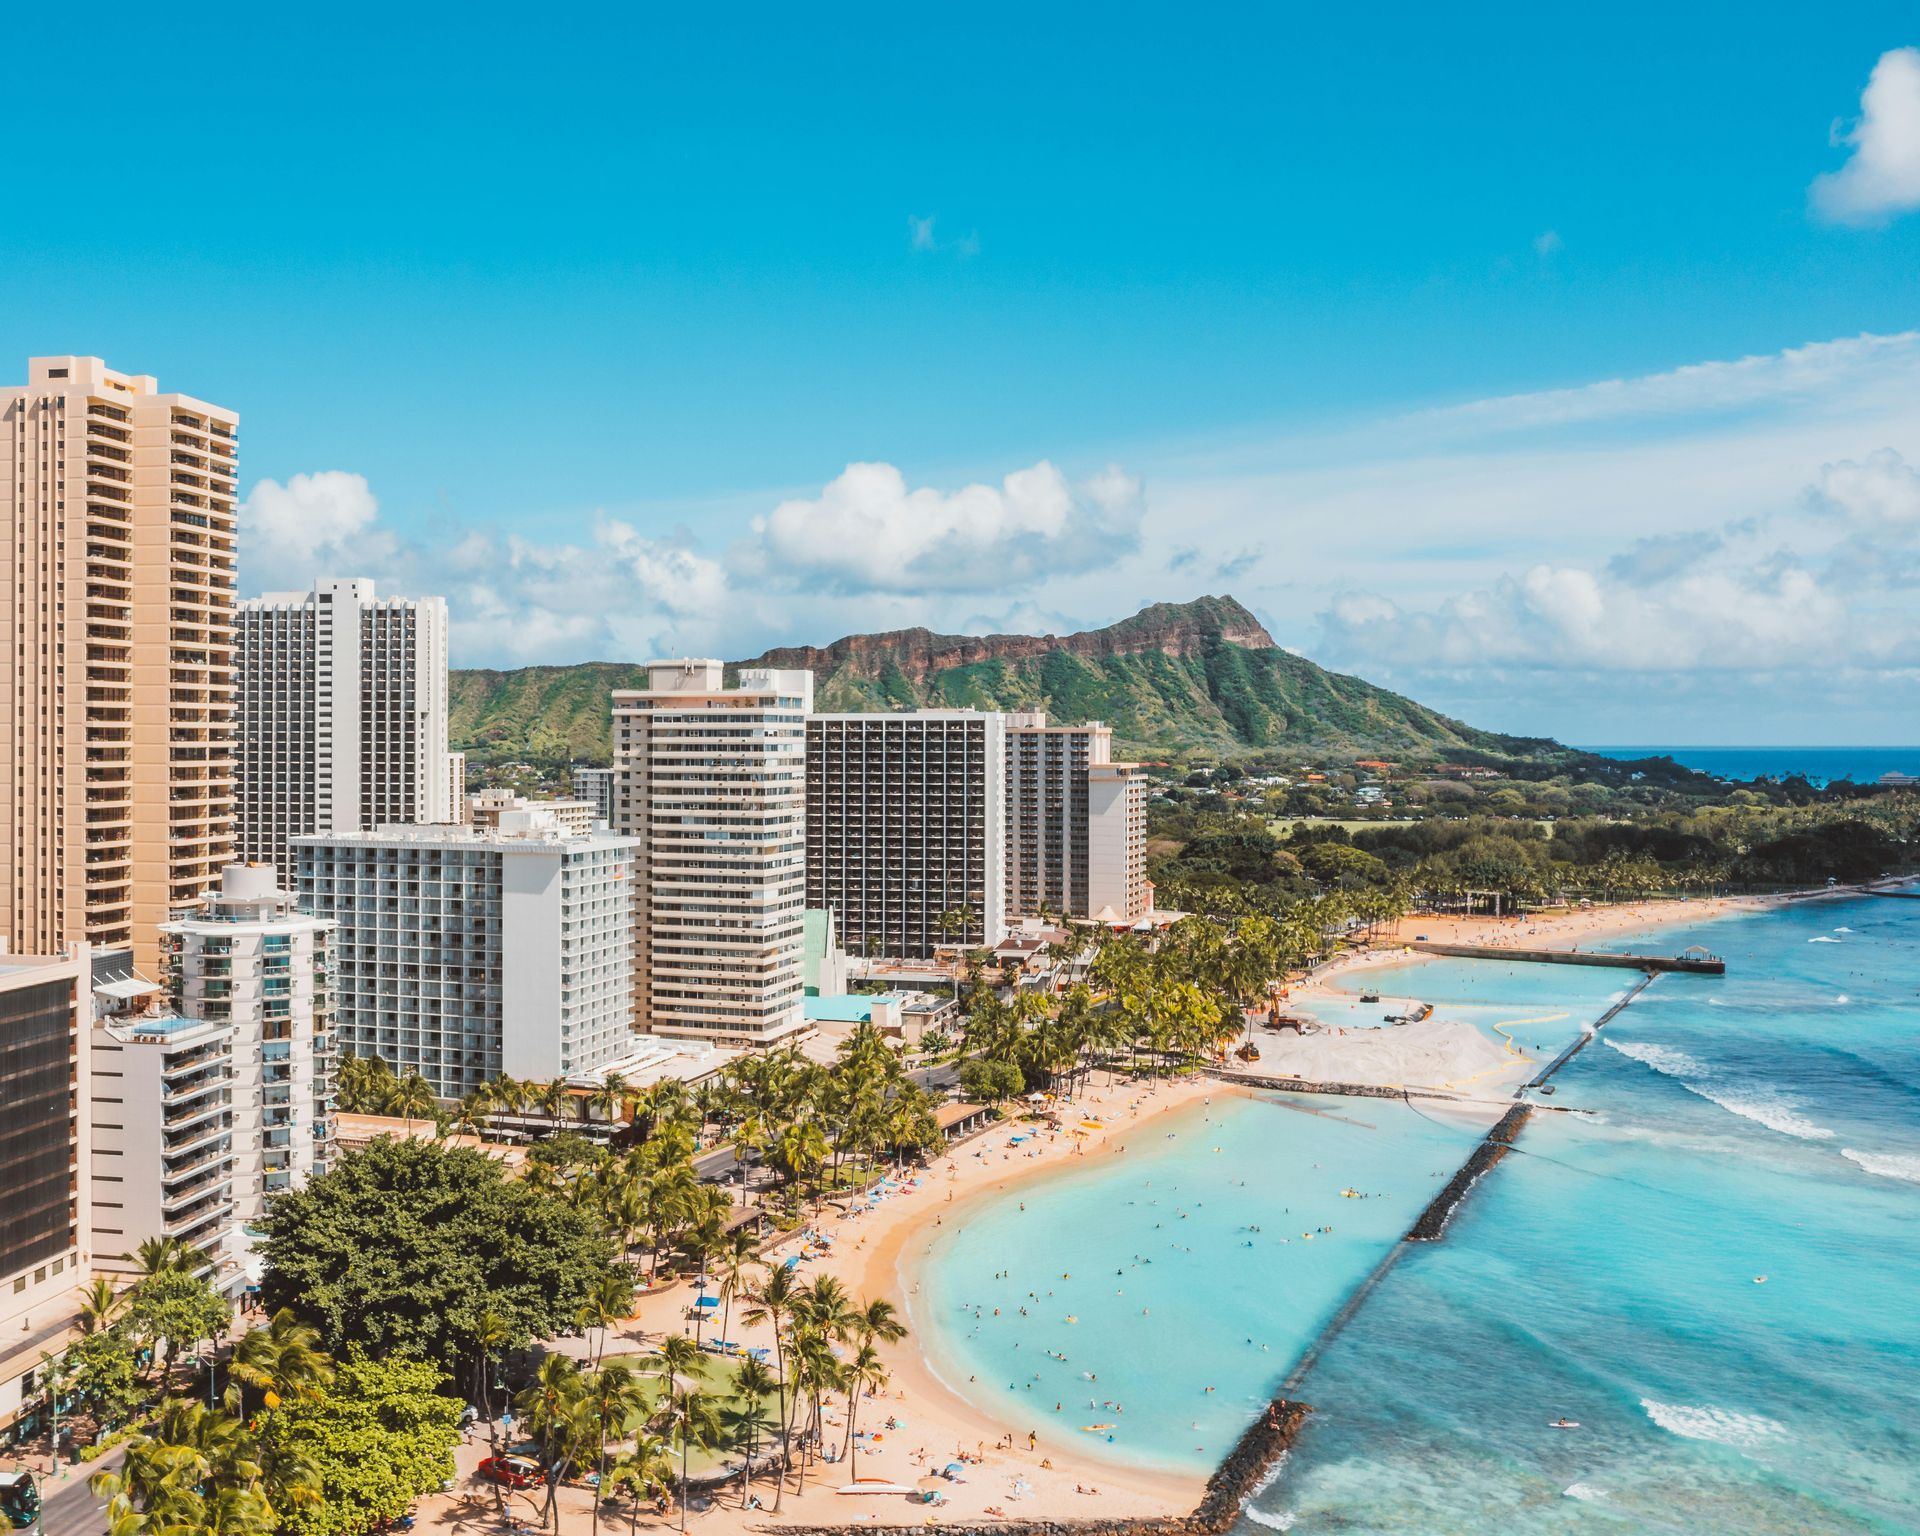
(1173, 680)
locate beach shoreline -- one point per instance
(872, 1253)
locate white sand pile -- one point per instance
(1435, 1054)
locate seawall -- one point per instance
(1433, 1220)
(1697, 965)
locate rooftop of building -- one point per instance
(545, 832)
(164, 1029)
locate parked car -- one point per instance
(513, 1471)
(19, 1501)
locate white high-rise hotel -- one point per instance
(342, 715)
(465, 952)
(711, 782)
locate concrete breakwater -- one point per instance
(1698, 965)
(1433, 1220)
(1579, 1044)
(1238, 1478)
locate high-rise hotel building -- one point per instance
(465, 952)
(116, 687)
(1076, 823)
(906, 828)
(46, 1009)
(711, 783)
(342, 715)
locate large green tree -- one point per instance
(382, 1436)
(402, 1248)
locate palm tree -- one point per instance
(610, 1300)
(550, 1408)
(774, 1302)
(555, 1100)
(695, 1419)
(607, 1099)
(490, 1333)
(411, 1099)
(863, 1374)
(752, 1382)
(162, 1255)
(611, 1397)
(647, 1469)
(100, 1305)
(738, 1258)
(283, 1359)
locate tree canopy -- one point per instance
(378, 1439)
(399, 1249)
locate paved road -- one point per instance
(67, 1508)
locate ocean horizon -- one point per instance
(1819, 765)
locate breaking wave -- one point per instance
(1281, 1521)
(1759, 1103)
(1743, 1431)
(1582, 1492)
(1889, 1165)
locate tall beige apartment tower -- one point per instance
(116, 690)
(711, 782)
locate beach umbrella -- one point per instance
(708, 1301)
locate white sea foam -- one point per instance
(1843, 930)
(1743, 1431)
(1762, 1104)
(1821, 938)
(1662, 1058)
(1582, 1492)
(1843, 998)
(1889, 1165)
(1280, 1521)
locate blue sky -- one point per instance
(582, 319)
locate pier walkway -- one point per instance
(1591, 1030)
(1701, 964)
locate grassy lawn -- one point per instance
(716, 1377)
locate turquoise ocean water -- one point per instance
(1765, 1124)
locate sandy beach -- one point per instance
(870, 1253)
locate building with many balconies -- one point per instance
(906, 829)
(248, 958)
(342, 715)
(162, 1114)
(116, 654)
(1076, 823)
(710, 782)
(46, 1166)
(465, 952)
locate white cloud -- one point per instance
(867, 531)
(1882, 176)
(1880, 494)
(1547, 242)
(921, 236)
(1731, 599)
(1820, 367)
(313, 520)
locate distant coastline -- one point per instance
(1820, 765)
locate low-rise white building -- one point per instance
(465, 952)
